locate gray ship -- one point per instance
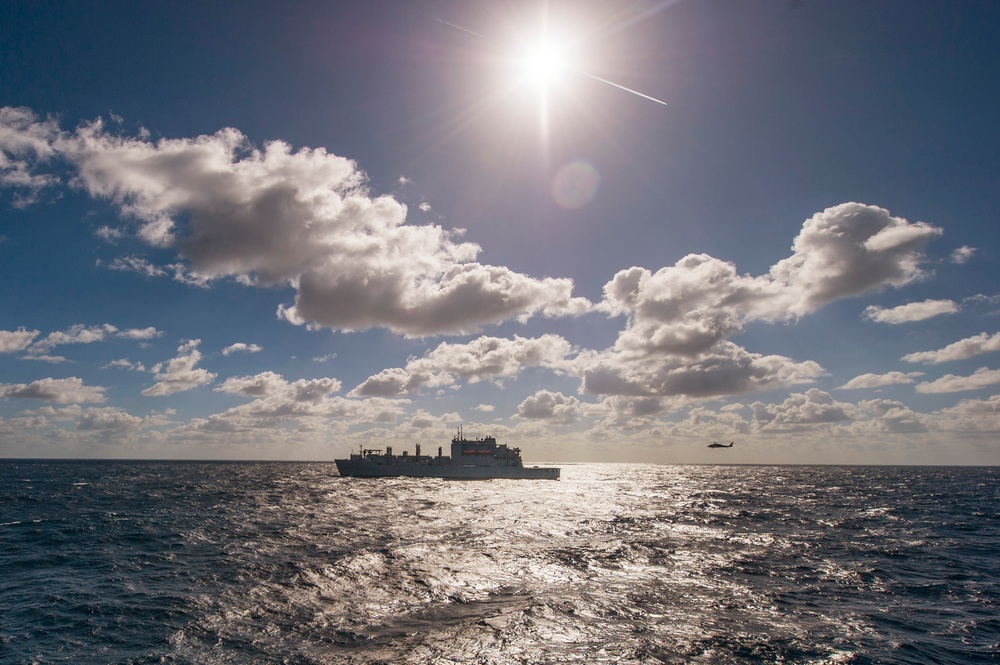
(471, 459)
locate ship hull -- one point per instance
(362, 468)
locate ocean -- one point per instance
(193, 562)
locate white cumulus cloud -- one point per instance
(60, 391)
(135, 264)
(276, 215)
(25, 143)
(77, 334)
(960, 350)
(551, 406)
(483, 359)
(140, 333)
(726, 369)
(809, 408)
(962, 254)
(893, 416)
(82, 334)
(910, 312)
(179, 374)
(851, 249)
(951, 383)
(12, 341)
(125, 363)
(272, 385)
(108, 419)
(241, 347)
(880, 380)
(679, 318)
(277, 400)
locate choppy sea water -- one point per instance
(129, 562)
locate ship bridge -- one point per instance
(483, 452)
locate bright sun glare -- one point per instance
(543, 63)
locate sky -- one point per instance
(599, 231)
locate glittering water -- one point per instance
(111, 562)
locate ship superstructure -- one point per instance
(470, 459)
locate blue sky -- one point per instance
(245, 230)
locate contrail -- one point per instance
(620, 87)
(596, 78)
(458, 27)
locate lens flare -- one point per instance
(575, 185)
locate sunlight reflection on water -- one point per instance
(625, 562)
(613, 563)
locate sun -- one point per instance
(543, 63)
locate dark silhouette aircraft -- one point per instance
(720, 445)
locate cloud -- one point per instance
(108, 419)
(623, 409)
(637, 416)
(61, 391)
(879, 380)
(270, 384)
(893, 416)
(982, 298)
(125, 363)
(77, 334)
(489, 358)
(552, 406)
(277, 400)
(258, 385)
(322, 359)
(809, 408)
(391, 382)
(180, 373)
(140, 333)
(55, 360)
(81, 334)
(848, 250)
(12, 425)
(400, 294)
(109, 234)
(135, 264)
(687, 308)
(421, 420)
(976, 419)
(679, 318)
(276, 215)
(962, 254)
(726, 369)
(950, 383)
(16, 340)
(683, 309)
(990, 406)
(240, 347)
(178, 271)
(910, 312)
(960, 350)
(485, 358)
(25, 143)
